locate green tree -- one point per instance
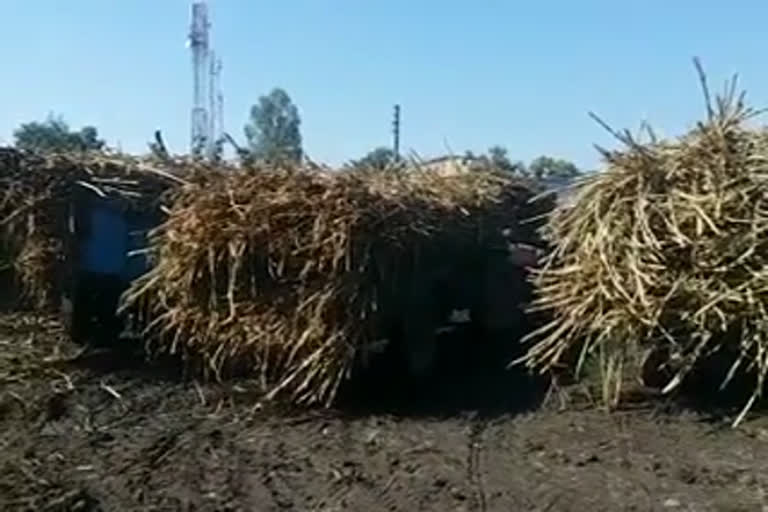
(547, 167)
(380, 158)
(499, 158)
(273, 132)
(54, 135)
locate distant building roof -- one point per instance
(450, 165)
(559, 185)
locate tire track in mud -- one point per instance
(475, 462)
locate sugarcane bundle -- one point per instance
(280, 271)
(37, 192)
(664, 252)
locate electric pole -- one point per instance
(396, 132)
(198, 42)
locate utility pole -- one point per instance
(396, 132)
(211, 137)
(216, 106)
(198, 42)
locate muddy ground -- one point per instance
(104, 432)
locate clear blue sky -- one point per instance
(467, 74)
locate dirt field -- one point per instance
(102, 433)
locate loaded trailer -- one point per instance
(104, 255)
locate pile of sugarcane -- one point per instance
(36, 193)
(281, 271)
(664, 252)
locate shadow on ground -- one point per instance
(703, 391)
(9, 294)
(128, 356)
(471, 377)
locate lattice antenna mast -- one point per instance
(215, 102)
(199, 43)
(219, 102)
(211, 140)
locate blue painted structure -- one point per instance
(103, 244)
(101, 264)
(107, 234)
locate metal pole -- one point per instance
(396, 130)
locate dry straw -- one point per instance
(281, 271)
(36, 193)
(665, 250)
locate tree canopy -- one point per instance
(548, 167)
(273, 132)
(55, 135)
(499, 158)
(543, 167)
(379, 158)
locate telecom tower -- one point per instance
(215, 104)
(199, 43)
(219, 103)
(207, 98)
